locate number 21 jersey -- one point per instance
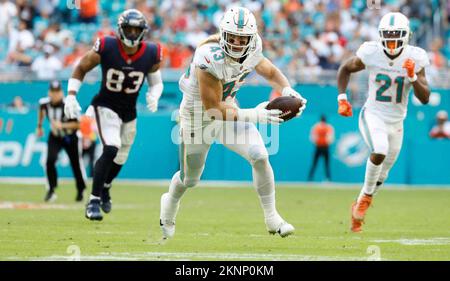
(389, 85)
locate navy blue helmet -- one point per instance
(132, 27)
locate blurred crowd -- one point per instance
(303, 37)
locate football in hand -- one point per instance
(290, 106)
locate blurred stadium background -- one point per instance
(42, 40)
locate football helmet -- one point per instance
(132, 18)
(237, 23)
(394, 33)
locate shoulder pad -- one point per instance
(210, 57)
(420, 56)
(367, 50)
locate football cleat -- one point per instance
(359, 210)
(361, 206)
(167, 216)
(277, 225)
(93, 210)
(106, 203)
(356, 224)
(50, 196)
(167, 229)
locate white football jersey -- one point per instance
(210, 57)
(389, 85)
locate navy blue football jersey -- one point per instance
(123, 75)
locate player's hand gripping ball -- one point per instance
(289, 105)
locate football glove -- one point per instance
(72, 108)
(288, 91)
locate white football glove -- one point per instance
(260, 114)
(72, 108)
(152, 102)
(288, 91)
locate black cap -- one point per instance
(55, 85)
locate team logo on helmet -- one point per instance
(394, 33)
(238, 32)
(132, 18)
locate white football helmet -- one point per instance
(394, 32)
(237, 21)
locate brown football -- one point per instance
(290, 106)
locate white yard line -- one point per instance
(417, 242)
(235, 184)
(198, 256)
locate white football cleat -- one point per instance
(167, 217)
(276, 224)
(167, 228)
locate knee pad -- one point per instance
(381, 147)
(190, 182)
(122, 155)
(109, 152)
(258, 154)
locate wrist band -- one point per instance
(413, 79)
(74, 85)
(342, 96)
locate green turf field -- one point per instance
(224, 224)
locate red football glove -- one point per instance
(409, 65)
(345, 108)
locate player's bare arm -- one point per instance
(421, 88)
(210, 93)
(278, 81)
(90, 60)
(352, 65)
(272, 74)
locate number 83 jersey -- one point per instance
(211, 58)
(389, 85)
(123, 75)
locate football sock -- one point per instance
(263, 180)
(102, 168)
(113, 172)
(387, 165)
(176, 187)
(372, 175)
(176, 191)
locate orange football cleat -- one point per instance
(345, 108)
(359, 210)
(356, 224)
